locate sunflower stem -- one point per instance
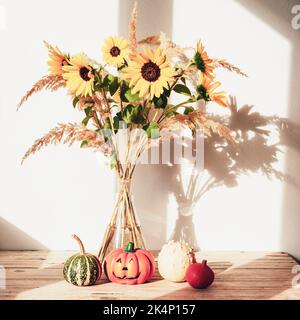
(118, 164)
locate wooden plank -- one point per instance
(239, 275)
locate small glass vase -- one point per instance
(124, 226)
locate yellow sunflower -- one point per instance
(206, 91)
(149, 73)
(115, 51)
(79, 75)
(203, 62)
(57, 60)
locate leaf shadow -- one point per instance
(259, 142)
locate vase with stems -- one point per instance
(124, 226)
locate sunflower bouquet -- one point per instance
(132, 89)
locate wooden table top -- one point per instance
(239, 275)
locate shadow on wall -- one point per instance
(10, 234)
(278, 15)
(224, 163)
(147, 186)
(255, 152)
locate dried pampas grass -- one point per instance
(211, 126)
(159, 40)
(67, 134)
(228, 66)
(151, 40)
(133, 28)
(51, 49)
(198, 120)
(96, 102)
(50, 82)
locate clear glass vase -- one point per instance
(124, 226)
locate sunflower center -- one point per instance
(199, 62)
(64, 62)
(85, 73)
(203, 93)
(115, 51)
(150, 71)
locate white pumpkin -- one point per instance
(173, 261)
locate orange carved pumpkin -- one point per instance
(129, 266)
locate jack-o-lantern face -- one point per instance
(126, 266)
(129, 266)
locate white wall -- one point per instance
(61, 191)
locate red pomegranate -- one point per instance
(199, 275)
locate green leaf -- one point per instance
(107, 124)
(106, 131)
(84, 144)
(127, 95)
(146, 112)
(110, 78)
(105, 82)
(131, 97)
(113, 86)
(166, 92)
(75, 101)
(128, 113)
(117, 118)
(133, 114)
(86, 120)
(182, 89)
(87, 111)
(192, 99)
(160, 102)
(188, 110)
(183, 80)
(113, 161)
(152, 130)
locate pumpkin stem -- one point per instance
(130, 247)
(82, 251)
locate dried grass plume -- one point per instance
(50, 82)
(198, 120)
(67, 134)
(230, 67)
(133, 28)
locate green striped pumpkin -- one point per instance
(82, 269)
